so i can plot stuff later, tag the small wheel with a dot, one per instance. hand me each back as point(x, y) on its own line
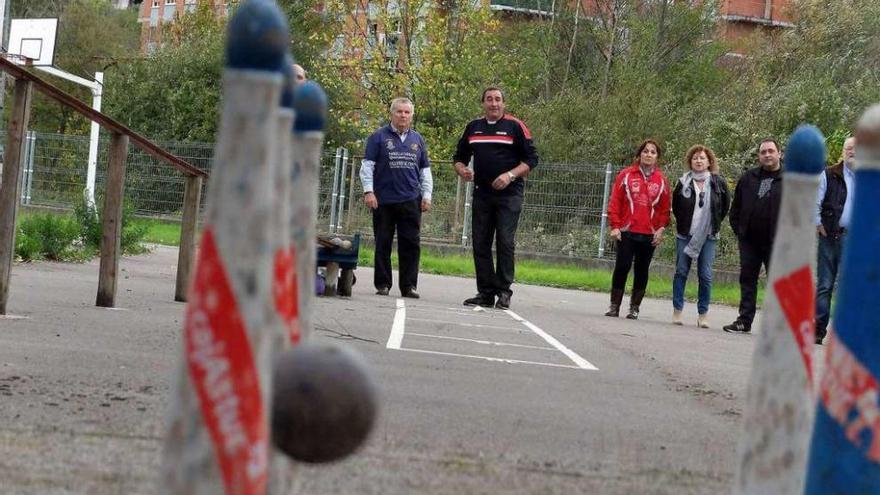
point(346, 280)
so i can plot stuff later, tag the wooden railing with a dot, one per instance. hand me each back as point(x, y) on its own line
point(25, 82)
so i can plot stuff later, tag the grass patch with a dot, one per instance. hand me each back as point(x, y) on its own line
point(160, 232)
point(563, 276)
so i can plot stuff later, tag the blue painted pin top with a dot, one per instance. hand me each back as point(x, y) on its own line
point(257, 37)
point(288, 87)
point(310, 103)
point(806, 151)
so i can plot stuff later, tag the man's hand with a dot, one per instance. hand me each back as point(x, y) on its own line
point(371, 201)
point(614, 234)
point(426, 204)
point(658, 237)
point(821, 231)
point(501, 181)
point(464, 172)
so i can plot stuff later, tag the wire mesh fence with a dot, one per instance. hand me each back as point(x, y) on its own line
point(562, 212)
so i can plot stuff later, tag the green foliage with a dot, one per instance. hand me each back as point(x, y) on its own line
point(174, 93)
point(45, 235)
point(92, 34)
point(90, 223)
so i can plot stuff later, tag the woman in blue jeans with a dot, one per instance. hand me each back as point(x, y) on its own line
point(700, 201)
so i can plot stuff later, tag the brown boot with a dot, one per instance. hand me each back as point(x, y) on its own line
point(635, 300)
point(616, 298)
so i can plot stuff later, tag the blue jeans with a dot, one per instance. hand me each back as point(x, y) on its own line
point(827, 265)
point(704, 273)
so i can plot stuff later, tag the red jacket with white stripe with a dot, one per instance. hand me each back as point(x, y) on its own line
point(639, 204)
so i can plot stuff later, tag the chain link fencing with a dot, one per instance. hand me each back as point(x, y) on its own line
point(563, 211)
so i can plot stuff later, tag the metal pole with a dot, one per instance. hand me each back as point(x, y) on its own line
point(457, 224)
point(351, 195)
point(29, 168)
point(468, 200)
point(340, 210)
point(91, 172)
point(335, 192)
point(604, 224)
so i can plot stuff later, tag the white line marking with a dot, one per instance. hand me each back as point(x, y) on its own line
point(493, 359)
point(460, 324)
point(484, 342)
point(396, 336)
point(581, 362)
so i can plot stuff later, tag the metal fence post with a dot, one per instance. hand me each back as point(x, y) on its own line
point(457, 222)
point(468, 203)
point(604, 224)
point(351, 195)
point(340, 210)
point(334, 195)
point(29, 183)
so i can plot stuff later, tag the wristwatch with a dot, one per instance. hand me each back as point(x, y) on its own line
point(511, 175)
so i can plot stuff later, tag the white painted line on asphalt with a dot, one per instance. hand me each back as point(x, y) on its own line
point(460, 324)
point(493, 359)
point(484, 342)
point(396, 336)
point(13, 317)
point(581, 362)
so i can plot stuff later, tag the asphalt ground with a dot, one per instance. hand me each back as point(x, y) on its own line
point(549, 397)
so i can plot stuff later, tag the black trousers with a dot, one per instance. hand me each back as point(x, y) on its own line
point(406, 219)
point(495, 218)
point(636, 251)
point(751, 256)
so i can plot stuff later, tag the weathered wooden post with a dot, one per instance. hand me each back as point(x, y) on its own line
point(111, 230)
point(9, 188)
point(189, 226)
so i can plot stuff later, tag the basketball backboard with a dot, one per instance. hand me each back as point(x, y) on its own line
point(33, 40)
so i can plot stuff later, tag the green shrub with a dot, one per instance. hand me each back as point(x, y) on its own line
point(27, 248)
point(90, 223)
point(51, 236)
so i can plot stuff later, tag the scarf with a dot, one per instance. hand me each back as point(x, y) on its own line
point(703, 229)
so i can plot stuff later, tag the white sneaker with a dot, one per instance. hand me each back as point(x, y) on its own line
point(676, 317)
point(702, 321)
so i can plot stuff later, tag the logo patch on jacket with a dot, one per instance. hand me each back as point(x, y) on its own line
point(414, 147)
point(389, 144)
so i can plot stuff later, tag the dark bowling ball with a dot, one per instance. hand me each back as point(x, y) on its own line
point(324, 402)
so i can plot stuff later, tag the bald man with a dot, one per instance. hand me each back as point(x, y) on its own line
point(299, 74)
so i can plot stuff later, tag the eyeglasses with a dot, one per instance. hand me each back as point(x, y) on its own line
point(702, 195)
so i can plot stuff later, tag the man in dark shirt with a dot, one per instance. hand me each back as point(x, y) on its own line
point(503, 154)
point(396, 176)
point(753, 216)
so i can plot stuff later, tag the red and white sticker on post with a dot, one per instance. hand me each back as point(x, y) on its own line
point(798, 302)
point(223, 372)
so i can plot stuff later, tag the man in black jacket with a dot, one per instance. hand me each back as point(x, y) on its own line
point(504, 153)
point(753, 216)
point(833, 213)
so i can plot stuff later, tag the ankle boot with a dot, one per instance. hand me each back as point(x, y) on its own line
point(635, 300)
point(616, 298)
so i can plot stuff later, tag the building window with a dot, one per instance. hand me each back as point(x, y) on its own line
point(155, 4)
point(170, 2)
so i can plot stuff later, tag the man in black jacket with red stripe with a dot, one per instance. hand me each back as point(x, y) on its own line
point(503, 153)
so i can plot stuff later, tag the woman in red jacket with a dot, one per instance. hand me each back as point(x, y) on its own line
point(638, 212)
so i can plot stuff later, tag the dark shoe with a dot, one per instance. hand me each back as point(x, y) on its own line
point(614, 308)
point(503, 301)
point(409, 292)
point(737, 327)
point(635, 300)
point(480, 300)
point(382, 291)
point(819, 340)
